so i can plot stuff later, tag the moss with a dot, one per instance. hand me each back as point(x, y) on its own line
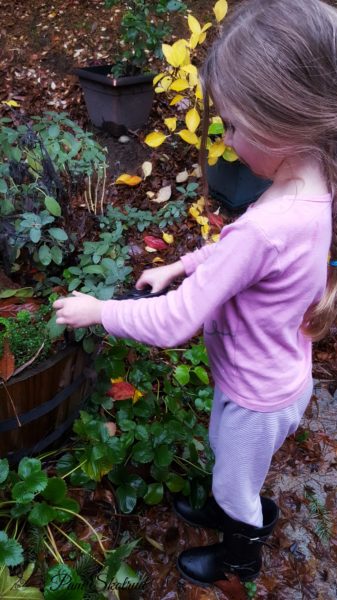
point(26, 333)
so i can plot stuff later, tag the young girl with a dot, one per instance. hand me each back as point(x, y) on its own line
point(264, 291)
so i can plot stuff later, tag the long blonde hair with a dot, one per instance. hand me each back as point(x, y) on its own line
point(275, 67)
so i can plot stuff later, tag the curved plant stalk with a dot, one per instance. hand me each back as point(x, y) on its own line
point(77, 545)
point(54, 545)
point(180, 459)
point(74, 469)
point(71, 512)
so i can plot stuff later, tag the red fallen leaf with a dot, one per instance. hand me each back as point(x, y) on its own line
point(7, 362)
point(121, 391)
point(215, 220)
point(155, 243)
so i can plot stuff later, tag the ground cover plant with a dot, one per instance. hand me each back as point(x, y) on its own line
point(117, 470)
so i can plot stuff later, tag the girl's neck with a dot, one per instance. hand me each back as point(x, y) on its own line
point(302, 177)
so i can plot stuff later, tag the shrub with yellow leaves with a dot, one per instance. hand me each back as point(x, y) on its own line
point(180, 81)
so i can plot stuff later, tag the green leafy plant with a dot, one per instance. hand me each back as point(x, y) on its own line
point(44, 162)
point(142, 29)
point(157, 429)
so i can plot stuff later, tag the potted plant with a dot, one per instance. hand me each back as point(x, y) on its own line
point(45, 162)
point(119, 96)
point(229, 181)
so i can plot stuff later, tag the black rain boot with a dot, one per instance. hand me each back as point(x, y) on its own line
point(210, 515)
point(239, 554)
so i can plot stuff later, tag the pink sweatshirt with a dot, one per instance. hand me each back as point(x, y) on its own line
point(250, 290)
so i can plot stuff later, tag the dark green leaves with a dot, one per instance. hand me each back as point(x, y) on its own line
point(10, 551)
point(4, 469)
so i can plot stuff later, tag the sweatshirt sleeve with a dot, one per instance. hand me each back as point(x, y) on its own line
point(243, 256)
point(193, 259)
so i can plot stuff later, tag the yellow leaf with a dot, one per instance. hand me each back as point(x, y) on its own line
point(164, 84)
point(179, 85)
point(220, 9)
point(171, 123)
point(198, 92)
point(190, 69)
point(11, 103)
point(194, 25)
point(194, 212)
point(175, 54)
point(176, 99)
point(192, 120)
point(202, 220)
point(205, 231)
point(168, 238)
point(158, 259)
point(212, 161)
point(126, 179)
point(215, 237)
point(155, 139)
point(205, 27)
point(202, 37)
point(194, 40)
point(150, 194)
point(147, 168)
point(117, 380)
point(158, 78)
point(188, 136)
point(216, 149)
point(229, 154)
point(136, 396)
point(201, 203)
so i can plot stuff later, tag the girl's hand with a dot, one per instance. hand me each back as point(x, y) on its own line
point(78, 310)
point(160, 277)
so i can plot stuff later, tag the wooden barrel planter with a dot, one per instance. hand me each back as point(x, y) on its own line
point(47, 399)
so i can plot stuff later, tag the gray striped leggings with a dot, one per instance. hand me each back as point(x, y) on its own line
point(244, 442)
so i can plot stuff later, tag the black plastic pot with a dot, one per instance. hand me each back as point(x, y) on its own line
point(116, 104)
point(234, 185)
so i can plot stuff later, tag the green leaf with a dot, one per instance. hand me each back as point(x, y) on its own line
point(44, 255)
point(56, 254)
point(58, 234)
point(54, 131)
point(63, 583)
point(56, 490)
point(127, 498)
point(174, 482)
point(29, 466)
point(3, 186)
point(54, 329)
point(199, 493)
point(202, 374)
point(115, 557)
point(154, 494)
point(10, 588)
point(11, 552)
point(69, 504)
point(35, 234)
point(4, 469)
point(41, 514)
point(182, 374)
point(142, 452)
point(53, 206)
point(163, 456)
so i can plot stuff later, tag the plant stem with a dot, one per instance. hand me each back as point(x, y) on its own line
point(74, 514)
point(180, 458)
point(53, 543)
point(50, 550)
point(77, 545)
point(74, 469)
